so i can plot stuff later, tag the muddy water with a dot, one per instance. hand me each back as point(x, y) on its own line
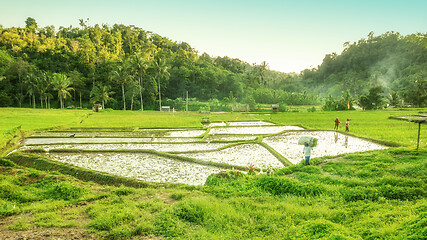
point(149, 133)
point(146, 167)
point(253, 130)
point(329, 144)
point(154, 168)
point(82, 140)
point(163, 147)
point(241, 155)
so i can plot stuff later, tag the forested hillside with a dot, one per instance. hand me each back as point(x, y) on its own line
point(390, 61)
point(126, 67)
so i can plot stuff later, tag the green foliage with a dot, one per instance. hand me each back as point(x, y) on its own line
point(6, 163)
point(283, 186)
point(63, 190)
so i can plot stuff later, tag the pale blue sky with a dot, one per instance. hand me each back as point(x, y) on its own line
point(289, 35)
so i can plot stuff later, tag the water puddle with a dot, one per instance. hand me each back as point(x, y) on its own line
point(240, 155)
point(329, 144)
point(163, 147)
point(83, 140)
point(146, 167)
point(253, 130)
point(189, 143)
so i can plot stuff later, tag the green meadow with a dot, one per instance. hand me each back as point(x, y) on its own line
point(371, 195)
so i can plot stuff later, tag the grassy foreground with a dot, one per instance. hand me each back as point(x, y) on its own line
point(372, 195)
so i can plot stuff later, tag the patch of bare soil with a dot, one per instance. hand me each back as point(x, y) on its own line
point(46, 233)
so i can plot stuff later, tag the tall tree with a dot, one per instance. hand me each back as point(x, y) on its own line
point(161, 71)
point(31, 82)
point(62, 85)
point(101, 93)
point(19, 68)
point(121, 75)
point(140, 67)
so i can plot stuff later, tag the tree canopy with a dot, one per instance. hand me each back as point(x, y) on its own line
point(124, 61)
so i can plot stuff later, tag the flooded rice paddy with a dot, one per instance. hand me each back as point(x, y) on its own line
point(146, 167)
point(231, 143)
point(240, 155)
point(329, 144)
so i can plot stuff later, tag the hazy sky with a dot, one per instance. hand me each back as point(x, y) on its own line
point(289, 35)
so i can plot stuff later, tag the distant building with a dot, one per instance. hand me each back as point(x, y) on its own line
point(275, 107)
point(97, 107)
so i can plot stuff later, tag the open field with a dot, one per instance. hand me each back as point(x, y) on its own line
point(379, 194)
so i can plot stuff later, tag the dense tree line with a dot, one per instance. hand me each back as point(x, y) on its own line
point(126, 67)
point(123, 67)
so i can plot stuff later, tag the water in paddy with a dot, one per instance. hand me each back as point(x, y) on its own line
point(149, 167)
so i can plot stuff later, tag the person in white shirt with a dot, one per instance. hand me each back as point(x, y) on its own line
point(307, 153)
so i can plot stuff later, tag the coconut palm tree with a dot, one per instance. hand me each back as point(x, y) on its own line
point(140, 66)
point(62, 84)
point(31, 82)
point(101, 93)
point(161, 71)
point(121, 75)
point(43, 85)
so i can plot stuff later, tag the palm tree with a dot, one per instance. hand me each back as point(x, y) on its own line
point(43, 85)
point(31, 81)
point(121, 75)
point(140, 66)
point(161, 71)
point(62, 84)
point(263, 68)
point(101, 93)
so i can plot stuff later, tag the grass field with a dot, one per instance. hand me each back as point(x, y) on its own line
point(372, 195)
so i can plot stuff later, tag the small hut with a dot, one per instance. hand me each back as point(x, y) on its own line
point(275, 107)
point(97, 107)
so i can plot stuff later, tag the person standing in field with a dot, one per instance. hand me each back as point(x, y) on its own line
point(337, 123)
point(347, 124)
point(307, 153)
